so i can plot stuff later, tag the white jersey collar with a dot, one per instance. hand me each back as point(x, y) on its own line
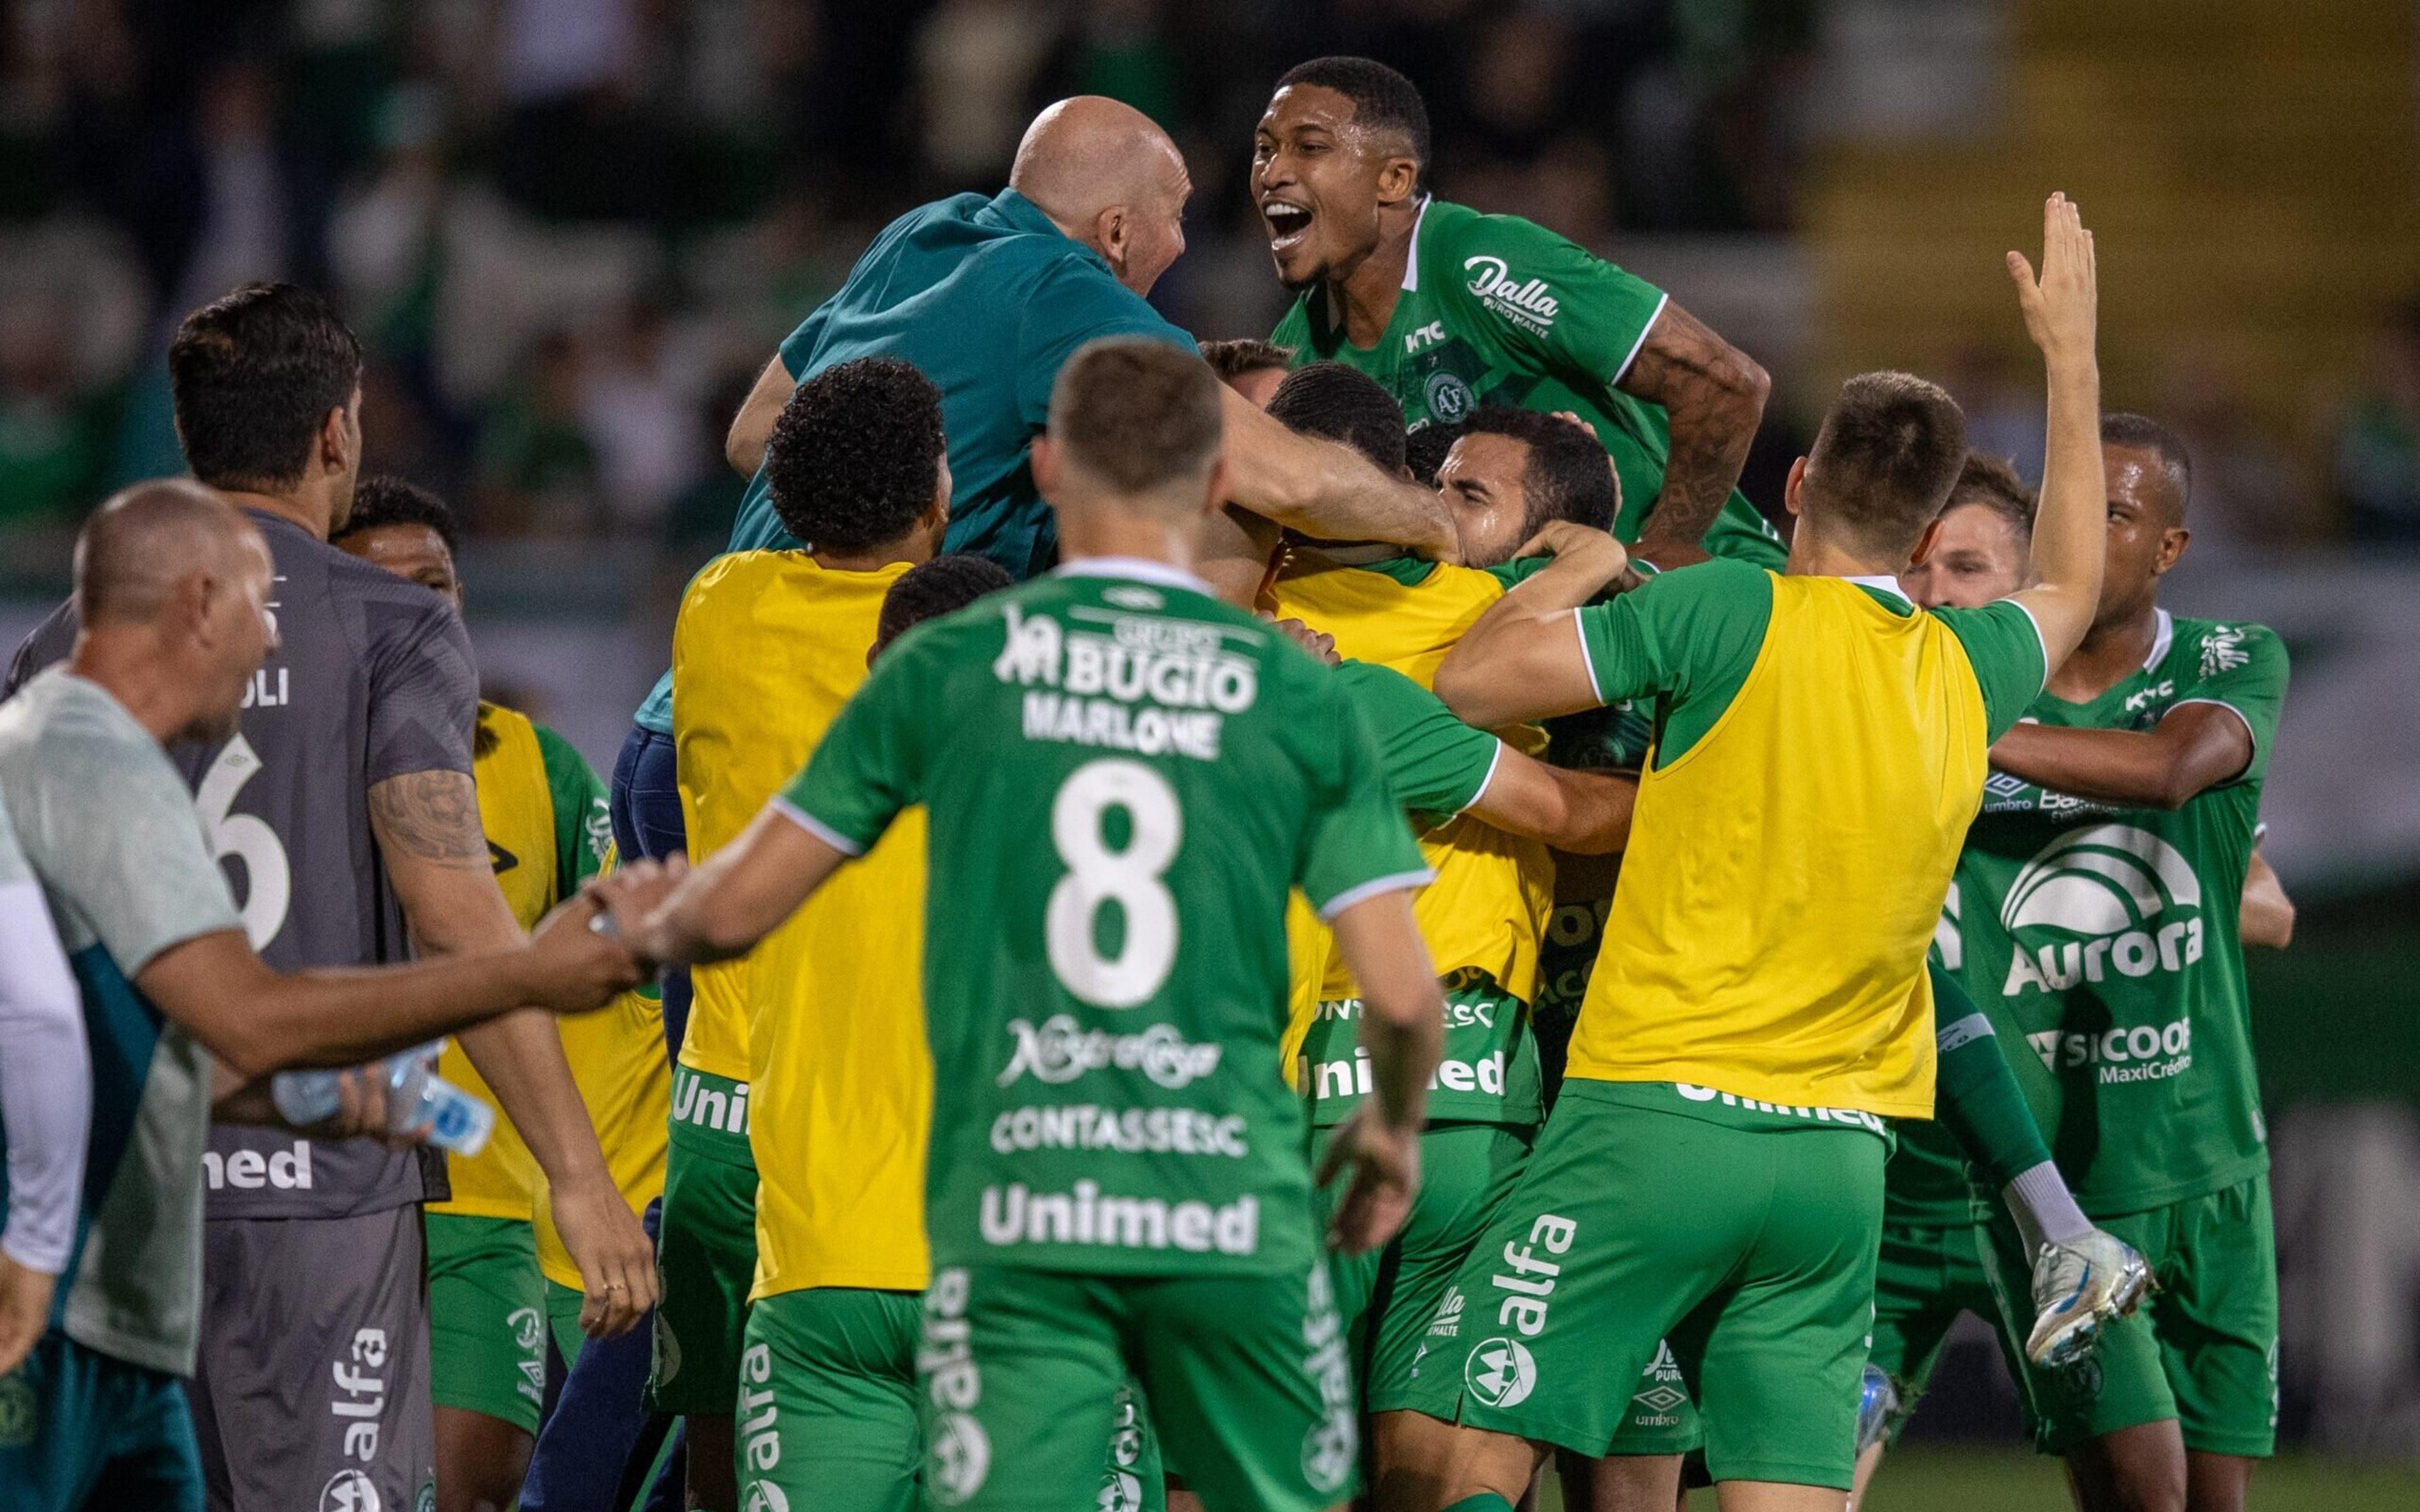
point(1412, 260)
point(1137, 569)
point(1883, 584)
point(2162, 636)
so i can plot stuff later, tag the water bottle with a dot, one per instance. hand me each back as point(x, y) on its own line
point(416, 1096)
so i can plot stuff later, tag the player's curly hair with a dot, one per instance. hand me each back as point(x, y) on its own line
point(1337, 402)
point(1382, 99)
point(942, 586)
point(382, 499)
point(855, 455)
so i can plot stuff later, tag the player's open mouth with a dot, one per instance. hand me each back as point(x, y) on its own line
point(1288, 225)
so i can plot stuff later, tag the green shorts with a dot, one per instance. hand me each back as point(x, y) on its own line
point(80, 1430)
point(1928, 1275)
point(1247, 1379)
point(1745, 1238)
point(487, 1317)
point(2202, 1348)
point(705, 1253)
point(563, 1304)
point(827, 1409)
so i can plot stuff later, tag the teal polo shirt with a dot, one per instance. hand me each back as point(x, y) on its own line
point(986, 298)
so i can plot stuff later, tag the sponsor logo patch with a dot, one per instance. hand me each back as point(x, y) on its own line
point(1058, 1050)
point(1500, 1372)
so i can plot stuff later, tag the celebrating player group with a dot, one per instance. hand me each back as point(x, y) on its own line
point(1268, 925)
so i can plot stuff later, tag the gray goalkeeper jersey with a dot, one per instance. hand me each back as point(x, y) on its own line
point(372, 679)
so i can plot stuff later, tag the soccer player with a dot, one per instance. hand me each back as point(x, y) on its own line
point(1487, 813)
point(1125, 779)
point(828, 1377)
point(1451, 310)
point(45, 1104)
point(172, 599)
point(767, 647)
point(1252, 368)
point(345, 799)
point(2096, 918)
point(543, 811)
point(1512, 471)
point(1760, 1002)
point(988, 297)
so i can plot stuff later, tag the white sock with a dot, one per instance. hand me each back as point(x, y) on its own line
point(2044, 1208)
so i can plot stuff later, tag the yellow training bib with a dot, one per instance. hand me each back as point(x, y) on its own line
point(1733, 957)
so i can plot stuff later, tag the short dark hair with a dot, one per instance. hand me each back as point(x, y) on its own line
point(386, 500)
point(1425, 450)
point(1993, 483)
point(854, 454)
point(1234, 359)
point(1883, 463)
point(1381, 97)
point(1337, 402)
point(2143, 433)
point(1136, 413)
point(942, 586)
point(1568, 475)
point(252, 376)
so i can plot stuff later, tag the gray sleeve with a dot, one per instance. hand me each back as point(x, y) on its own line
point(117, 837)
point(50, 641)
point(45, 1076)
point(424, 696)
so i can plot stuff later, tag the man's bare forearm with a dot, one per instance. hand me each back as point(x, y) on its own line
point(259, 1021)
point(428, 832)
point(1713, 396)
point(2194, 749)
point(1327, 490)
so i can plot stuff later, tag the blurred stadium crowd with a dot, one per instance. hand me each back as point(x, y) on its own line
point(570, 229)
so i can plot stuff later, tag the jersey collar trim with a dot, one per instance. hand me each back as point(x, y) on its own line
point(1412, 259)
point(1140, 569)
point(1883, 584)
point(2163, 637)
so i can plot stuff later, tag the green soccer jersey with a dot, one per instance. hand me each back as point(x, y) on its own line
point(2106, 939)
point(1436, 766)
point(1496, 310)
point(1125, 779)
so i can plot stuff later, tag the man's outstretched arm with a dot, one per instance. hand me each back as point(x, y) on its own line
point(1712, 395)
point(1327, 490)
point(2071, 523)
point(1524, 658)
point(677, 915)
point(2194, 749)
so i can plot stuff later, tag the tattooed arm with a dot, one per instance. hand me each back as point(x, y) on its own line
point(436, 853)
point(1714, 395)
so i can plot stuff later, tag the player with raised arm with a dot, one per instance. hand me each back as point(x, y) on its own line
point(1117, 1182)
point(2098, 918)
point(172, 598)
point(542, 808)
point(346, 802)
point(1760, 1003)
point(1451, 310)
